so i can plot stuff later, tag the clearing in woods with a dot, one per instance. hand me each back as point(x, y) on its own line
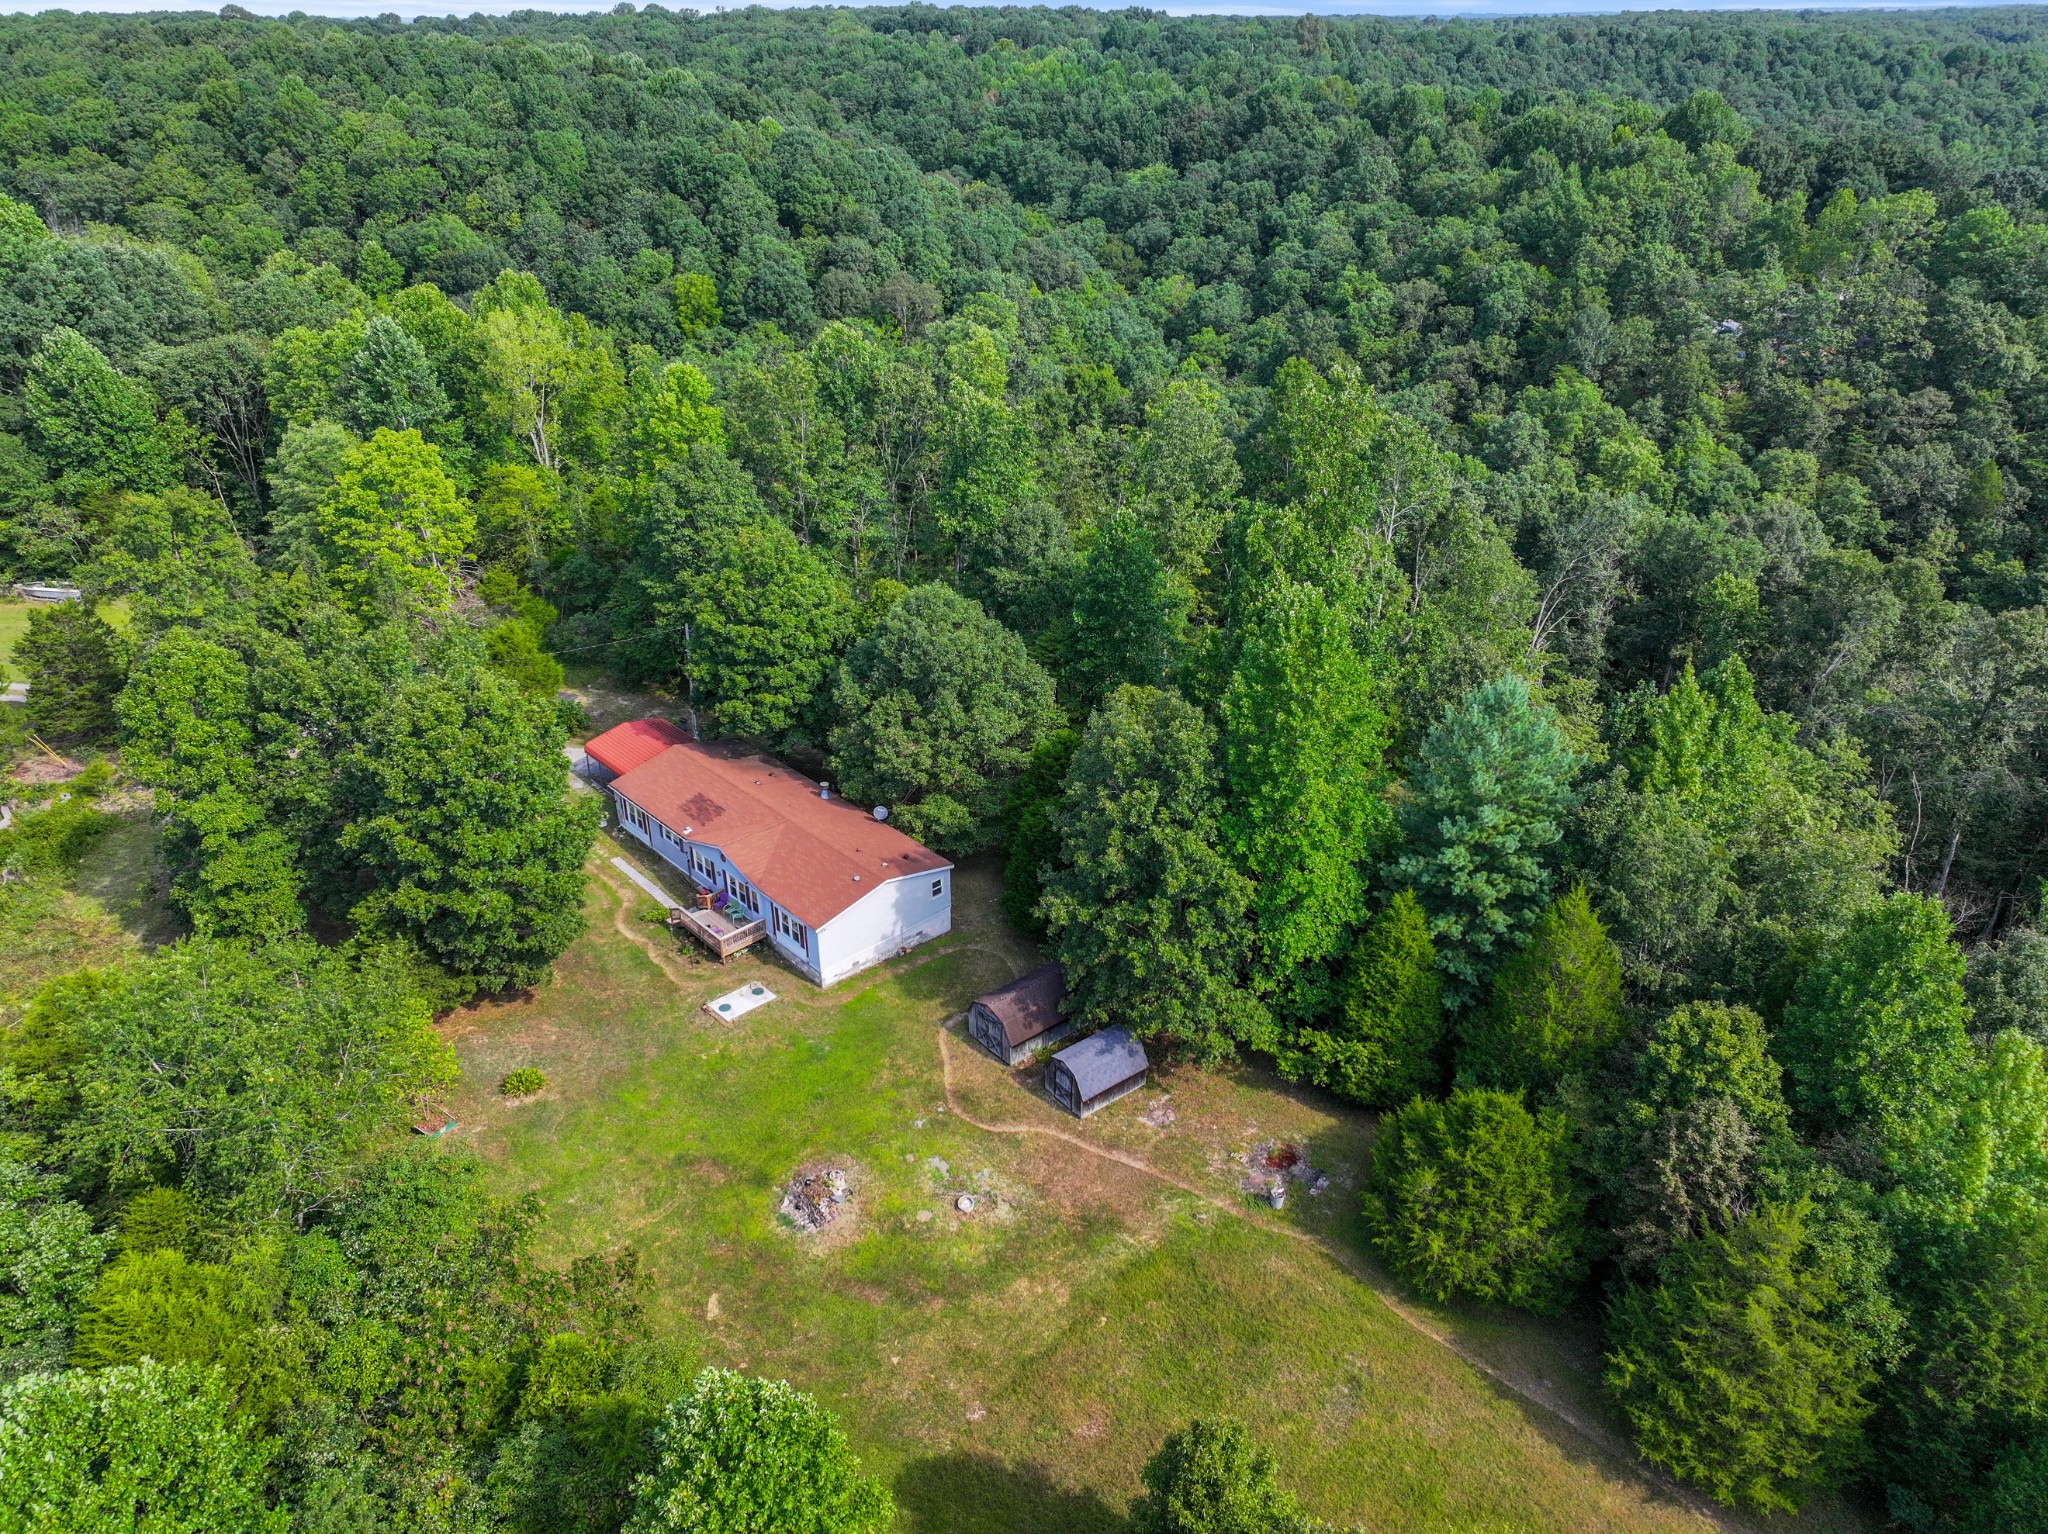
point(1011, 1368)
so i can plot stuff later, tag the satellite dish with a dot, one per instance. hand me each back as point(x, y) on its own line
point(881, 812)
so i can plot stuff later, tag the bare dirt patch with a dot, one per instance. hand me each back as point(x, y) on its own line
point(820, 1204)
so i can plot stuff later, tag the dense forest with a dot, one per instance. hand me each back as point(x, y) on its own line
point(1498, 568)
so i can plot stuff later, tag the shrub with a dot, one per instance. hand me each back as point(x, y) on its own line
point(523, 1082)
point(749, 1456)
point(53, 839)
point(1472, 1197)
point(1212, 1477)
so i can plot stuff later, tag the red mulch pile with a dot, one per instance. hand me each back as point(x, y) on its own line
point(43, 769)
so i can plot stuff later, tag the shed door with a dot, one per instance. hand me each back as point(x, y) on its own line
point(987, 1029)
point(1059, 1081)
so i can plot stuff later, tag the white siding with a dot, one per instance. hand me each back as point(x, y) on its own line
point(897, 915)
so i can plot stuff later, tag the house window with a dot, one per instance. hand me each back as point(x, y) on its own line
point(744, 893)
point(938, 888)
point(789, 927)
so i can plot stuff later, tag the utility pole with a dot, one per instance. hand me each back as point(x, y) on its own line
point(690, 685)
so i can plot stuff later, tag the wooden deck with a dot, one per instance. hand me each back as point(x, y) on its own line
point(720, 933)
point(724, 935)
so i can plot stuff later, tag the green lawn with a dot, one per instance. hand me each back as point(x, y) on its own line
point(14, 623)
point(108, 907)
point(1011, 1369)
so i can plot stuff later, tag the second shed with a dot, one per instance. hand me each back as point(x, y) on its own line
point(1097, 1071)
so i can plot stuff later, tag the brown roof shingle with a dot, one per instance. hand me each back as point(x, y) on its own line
point(1028, 1007)
point(813, 857)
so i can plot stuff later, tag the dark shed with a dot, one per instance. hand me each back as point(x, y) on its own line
point(1096, 1072)
point(1021, 1018)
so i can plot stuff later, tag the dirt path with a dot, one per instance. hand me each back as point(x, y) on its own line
point(1522, 1388)
point(622, 919)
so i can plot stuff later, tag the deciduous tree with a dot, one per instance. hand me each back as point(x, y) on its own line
point(92, 425)
point(1303, 732)
point(456, 811)
point(1145, 910)
point(753, 1456)
point(939, 708)
point(1129, 615)
point(113, 1447)
point(1213, 1477)
point(259, 1070)
point(392, 527)
point(186, 731)
point(1875, 1033)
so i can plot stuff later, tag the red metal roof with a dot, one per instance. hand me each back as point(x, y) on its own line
point(626, 746)
point(813, 857)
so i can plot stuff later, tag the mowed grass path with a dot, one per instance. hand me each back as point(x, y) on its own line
point(1012, 1368)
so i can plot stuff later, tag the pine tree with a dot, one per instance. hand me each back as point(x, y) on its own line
point(1734, 1372)
point(73, 662)
point(1472, 1196)
point(1381, 1047)
point(389, 383)
point(1556, 1004)
point(1031, 840)
point(1484, 803)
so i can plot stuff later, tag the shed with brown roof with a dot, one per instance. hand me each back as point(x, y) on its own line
point(1023, 1017)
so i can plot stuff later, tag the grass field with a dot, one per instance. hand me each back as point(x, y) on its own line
point(14, 623)
point(109, 906)
point(1011, 1369)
